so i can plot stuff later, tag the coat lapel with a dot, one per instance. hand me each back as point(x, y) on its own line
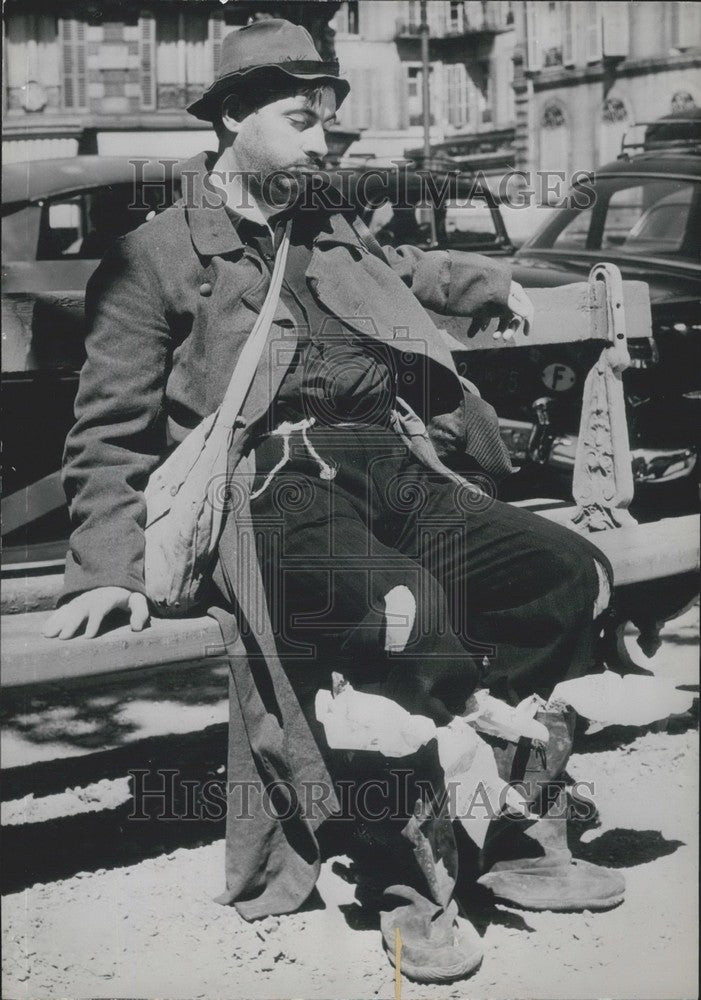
point(370, 297)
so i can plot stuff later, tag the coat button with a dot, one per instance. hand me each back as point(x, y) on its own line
point(173, 491)
point(205, 288)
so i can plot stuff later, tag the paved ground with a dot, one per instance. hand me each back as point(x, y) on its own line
point(140, 921)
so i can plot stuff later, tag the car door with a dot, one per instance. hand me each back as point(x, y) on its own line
point(50, 248)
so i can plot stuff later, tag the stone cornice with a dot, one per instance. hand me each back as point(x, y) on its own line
point(562, 77)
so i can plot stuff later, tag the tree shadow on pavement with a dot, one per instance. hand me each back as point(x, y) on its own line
point(102, 711)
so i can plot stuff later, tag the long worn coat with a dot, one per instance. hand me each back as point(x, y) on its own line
point(169, 309)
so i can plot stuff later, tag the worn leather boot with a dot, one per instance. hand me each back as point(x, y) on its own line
point(437, 946)
point(528, 863)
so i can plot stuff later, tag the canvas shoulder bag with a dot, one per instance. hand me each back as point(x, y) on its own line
point(185, 496)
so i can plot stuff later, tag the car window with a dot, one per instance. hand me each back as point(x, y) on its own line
point(84, 225)
point(650, 216)
point(395, 226)
point(643, 215)
point(467, 222)
point(662, 224)
point(575, 233)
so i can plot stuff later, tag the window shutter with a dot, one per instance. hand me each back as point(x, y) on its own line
point(74, 64)
point(592, 32)
point(357, 108)
point(534, 52)
point(400, 83)
point(369, 92)
point(685, 24)
point(216, 35)
point(448, 98)
point(568, 34)
point(616, 28)
point(455, 108)
point(412, 13)
point(147, 61)
point(436, 15)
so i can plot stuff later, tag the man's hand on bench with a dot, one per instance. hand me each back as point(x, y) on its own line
point(92, 607)
point(520, 313)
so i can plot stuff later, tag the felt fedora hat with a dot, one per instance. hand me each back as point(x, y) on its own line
point(275, 46)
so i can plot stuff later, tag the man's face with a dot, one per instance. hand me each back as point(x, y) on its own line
point(287, 135)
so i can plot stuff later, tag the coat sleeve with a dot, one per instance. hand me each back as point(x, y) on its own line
point(118, 436)
point(453, 282)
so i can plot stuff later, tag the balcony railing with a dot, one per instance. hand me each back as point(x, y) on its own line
point(488, 23)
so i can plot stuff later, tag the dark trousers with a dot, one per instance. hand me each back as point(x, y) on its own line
point(494, 596)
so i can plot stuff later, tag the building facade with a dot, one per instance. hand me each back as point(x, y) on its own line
point(471, 56)
point(114, 77)
point(586, 71)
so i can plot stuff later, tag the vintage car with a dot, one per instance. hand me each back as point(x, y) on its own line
point(58, 217)
point(646, 218)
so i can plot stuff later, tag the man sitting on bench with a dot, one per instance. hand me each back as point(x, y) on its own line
point(376, 560)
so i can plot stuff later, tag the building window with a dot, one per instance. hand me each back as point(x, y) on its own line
point(112, 31)
point(616, 29)
point(534, 52)
point(414, 90)
point(74, 64)
point(685, 24)
point(592, 31)
point(455, 17)
point(486, 92)
point(183, 57)
point(347, 19)
point(457, 109)
point(568, 34)
point(353, 17)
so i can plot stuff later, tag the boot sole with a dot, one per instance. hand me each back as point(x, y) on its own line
point(428, 975)
point(560, 906)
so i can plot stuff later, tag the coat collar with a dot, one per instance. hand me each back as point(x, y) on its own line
point(211, 229)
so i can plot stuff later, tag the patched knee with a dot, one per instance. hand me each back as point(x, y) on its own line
point(400, 615)
point(603, 597)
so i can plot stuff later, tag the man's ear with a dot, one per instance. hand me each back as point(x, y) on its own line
point(230, 113)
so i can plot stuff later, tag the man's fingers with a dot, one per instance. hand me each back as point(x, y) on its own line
point(54, 624)
point(520, 304)
point(139, 612)
point(93, 606)
point(74, 618)
point(97, 613)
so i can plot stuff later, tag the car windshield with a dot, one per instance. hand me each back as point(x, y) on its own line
point(638, 216)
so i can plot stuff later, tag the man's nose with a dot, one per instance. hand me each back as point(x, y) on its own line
point(315, 141)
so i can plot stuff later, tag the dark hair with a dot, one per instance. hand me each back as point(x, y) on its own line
point(260, 89)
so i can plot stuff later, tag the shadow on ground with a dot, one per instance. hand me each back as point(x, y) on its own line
point(59, 848)
point(93, 713)
point(622, 848)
